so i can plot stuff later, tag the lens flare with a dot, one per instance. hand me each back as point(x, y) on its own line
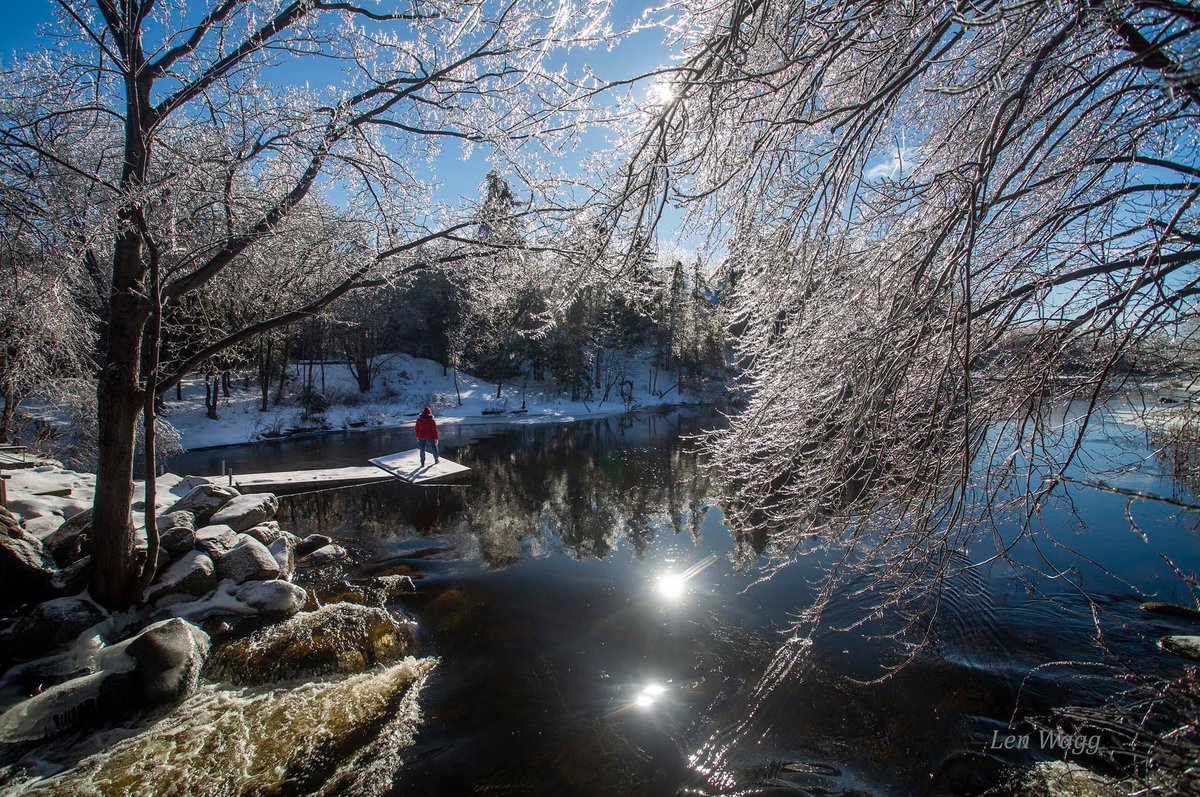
point(673, 586)
point(649, 695)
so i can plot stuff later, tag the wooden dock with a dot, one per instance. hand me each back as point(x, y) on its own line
point(298, 481)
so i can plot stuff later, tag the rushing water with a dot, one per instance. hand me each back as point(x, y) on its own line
point(601, 630)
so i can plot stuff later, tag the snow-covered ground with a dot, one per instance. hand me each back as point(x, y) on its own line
point(43, 497)
point(403, 386)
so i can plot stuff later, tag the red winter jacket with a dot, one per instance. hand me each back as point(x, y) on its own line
point(426, 428)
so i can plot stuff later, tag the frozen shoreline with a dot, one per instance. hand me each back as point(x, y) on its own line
point(403, 386)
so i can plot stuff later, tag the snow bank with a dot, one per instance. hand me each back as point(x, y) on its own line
point(402, 387)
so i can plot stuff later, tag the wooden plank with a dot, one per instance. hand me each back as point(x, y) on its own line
point(15, 461)
point(406, 465)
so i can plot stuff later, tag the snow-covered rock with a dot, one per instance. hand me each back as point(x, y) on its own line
point(177, 532)
point(248, 560)
point(311, 543)
point(272, 597)
point(27, 571)
point(324, 556)
point(160, 665)
point(284, 551)
point(216, 541)
point(337, 638)
point(71, 540)
point(204, 500)
point(246, 511)
point(194, 573)
point(1183, 645)
point(178, 540)
point(269, 532)
point(49, 626)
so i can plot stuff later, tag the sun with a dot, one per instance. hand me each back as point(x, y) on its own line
point(660, 92)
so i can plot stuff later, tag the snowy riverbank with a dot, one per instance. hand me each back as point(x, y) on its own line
point(401, 388)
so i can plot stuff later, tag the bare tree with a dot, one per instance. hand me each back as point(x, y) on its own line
point(943, 216)
point(164, 82)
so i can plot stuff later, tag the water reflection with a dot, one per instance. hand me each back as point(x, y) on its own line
point(606, 635)
point(535, 490)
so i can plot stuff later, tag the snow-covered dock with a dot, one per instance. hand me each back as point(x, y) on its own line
point(295, 481)
point(405, 466)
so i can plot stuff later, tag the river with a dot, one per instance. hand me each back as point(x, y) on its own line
point(602, 631)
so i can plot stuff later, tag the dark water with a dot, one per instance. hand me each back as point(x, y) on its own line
point(602, 630)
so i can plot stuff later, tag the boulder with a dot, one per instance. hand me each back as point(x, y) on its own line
point(51, 625)
point(272, 597)
point(194, 573)
point(284, 551)
point(247, 511)
point(27, 571)
point(203, 501)
point(311, 543)
point(72, 540)
point(1183, 645)
point(177, 532)
point(248, 560)
point(324, 556)
point(177, 541)
point(216, 541)
point(337, 638)
point(160, 665)
point(9, 525)
point(269, 532)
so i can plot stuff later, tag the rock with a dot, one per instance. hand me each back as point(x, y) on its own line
point(72, 540)
point(311, 543)
point(269, 532)
point(177, 532)
point(203, 501)
point(216, 541)
point(248, 560)
point(9, 526)
point(337, 638)
point(51, 625)
point(1183, 645)
point(1171, 610)
point(247, 511)
point(272, 597)
point(324, 556)
point(194, 574)
point(178, 540)
point(159, 665)
point(1067, 779)
point(284, 551)
point(168, 657)
point(27, 571)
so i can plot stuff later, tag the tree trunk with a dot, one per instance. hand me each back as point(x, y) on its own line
point(264, 370)
point(179, 390)
point(283, 369)
point(9, 394)
point(212, 393)
point(225, 384)
point(118, 395)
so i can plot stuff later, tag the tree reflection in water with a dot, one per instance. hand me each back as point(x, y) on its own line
point(578, 488)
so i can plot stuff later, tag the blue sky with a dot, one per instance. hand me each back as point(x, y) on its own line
point(26, 24)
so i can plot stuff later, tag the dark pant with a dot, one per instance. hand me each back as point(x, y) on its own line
point(432, 444)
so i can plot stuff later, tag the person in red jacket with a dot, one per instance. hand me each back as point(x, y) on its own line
point(427, 435)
